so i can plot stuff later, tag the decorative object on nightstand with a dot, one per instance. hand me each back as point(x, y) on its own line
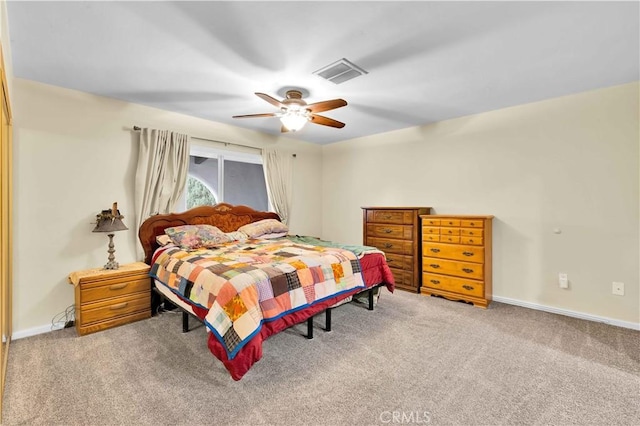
point(396, 231)
point(456, 257)
point(107, 298)
point(110, 221)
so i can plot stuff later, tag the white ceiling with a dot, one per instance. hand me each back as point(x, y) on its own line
point(427, 61)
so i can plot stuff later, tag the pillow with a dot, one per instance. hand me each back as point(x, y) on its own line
point(237, 236)
point(196, 236)
point(273, 235)
point(262, 227)
point(163, 240)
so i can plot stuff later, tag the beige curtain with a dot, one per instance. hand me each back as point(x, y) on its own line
point(278, 171)
point(161, 176)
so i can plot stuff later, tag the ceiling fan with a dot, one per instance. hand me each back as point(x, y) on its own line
point(295, 112)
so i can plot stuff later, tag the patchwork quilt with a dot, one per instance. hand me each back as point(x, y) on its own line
point(242, 285)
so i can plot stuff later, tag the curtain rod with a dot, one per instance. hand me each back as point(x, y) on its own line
point(137, 128)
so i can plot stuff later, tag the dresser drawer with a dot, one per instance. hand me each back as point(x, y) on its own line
point(431, 222)
point(113, 308)
point(403, 278)
point(450, 231)
point(452, 267)
point(450, 239)
point(450, 222)
point(458, 252)
point(401, 217)
point(430, 230)
point(404, 232)
point(431, 237)
point(477, 241)
point(456, 285)
point(115, 289)
point(392, 246)
point(471, 232)
point(472, 223)
point(399, 261)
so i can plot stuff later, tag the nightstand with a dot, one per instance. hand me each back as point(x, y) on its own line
point(107, 298)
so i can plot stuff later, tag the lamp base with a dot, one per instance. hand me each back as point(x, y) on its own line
point(111, 264)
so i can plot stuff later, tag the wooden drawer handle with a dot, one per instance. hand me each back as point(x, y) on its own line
point(388, 216)
point(473, 223)
point(450, 223)
point(389, 260)
point(471, 240)
point(467, 270)
point(471, 233)
point(435, 250)
point(119, 306)
point(388, 231)
point(435, 281)
point(388, 245)
point(467, 253)
point(434, 266)
point(467, 287)
point(118, 286)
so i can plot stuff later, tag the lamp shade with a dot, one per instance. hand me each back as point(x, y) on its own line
point(110, 225)
point(110, 220)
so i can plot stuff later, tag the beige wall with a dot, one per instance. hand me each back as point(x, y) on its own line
point(569, 163)
point(74, 157)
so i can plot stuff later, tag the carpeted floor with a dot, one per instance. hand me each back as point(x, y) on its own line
point(414, 360)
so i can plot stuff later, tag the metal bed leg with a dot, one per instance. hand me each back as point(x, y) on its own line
point(310, 328)
point(185, 322)
point(370, 294)
point(327, 325)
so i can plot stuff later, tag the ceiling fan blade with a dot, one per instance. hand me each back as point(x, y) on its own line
point(326, 121)
point(267, 114)
point(326, 105)
point(271, 100)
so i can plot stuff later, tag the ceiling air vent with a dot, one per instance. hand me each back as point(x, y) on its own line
point(340, 71)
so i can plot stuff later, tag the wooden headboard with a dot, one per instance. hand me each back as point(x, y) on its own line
point(225, 216)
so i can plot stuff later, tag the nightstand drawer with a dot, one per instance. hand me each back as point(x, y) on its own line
point(114, 289)
point(113, 308)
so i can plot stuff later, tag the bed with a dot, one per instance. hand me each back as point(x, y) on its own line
point(247, 290)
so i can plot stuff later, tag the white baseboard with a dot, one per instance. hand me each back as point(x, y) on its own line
point(35, 331)
point(625, 324)
point(566, 312)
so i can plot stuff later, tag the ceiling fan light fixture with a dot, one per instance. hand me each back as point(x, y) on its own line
point(294, 120)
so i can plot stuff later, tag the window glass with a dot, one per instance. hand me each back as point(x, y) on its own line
point(218, 176)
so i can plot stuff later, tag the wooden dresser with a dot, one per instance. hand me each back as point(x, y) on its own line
point(396, 231)
point(456, 257)
point(107, 298)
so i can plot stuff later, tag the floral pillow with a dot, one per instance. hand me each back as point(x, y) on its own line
point(196, 236)
point(263, 227)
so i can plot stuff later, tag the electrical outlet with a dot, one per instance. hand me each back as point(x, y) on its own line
point(563, 280)
point(617, 288)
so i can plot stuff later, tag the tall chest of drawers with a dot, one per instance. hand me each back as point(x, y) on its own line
point(456, 257)
point(396, 231)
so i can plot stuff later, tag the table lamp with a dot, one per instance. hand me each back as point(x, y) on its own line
point(110, 221)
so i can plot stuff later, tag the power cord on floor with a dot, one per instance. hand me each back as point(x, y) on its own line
point(64, 319)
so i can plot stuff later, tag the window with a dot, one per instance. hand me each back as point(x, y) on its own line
point(217, 175)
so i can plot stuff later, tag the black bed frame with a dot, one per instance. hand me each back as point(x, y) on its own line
point(185, 315)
